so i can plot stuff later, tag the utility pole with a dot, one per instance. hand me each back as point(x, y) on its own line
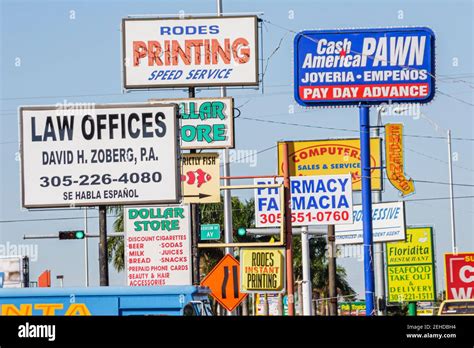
point(451, 190)
point(332, 271)
point(103, 257)
point(228, 235)
point(451, 193)
point(379, 247)
point(306, 261)
point(195, 222)
point(288, 232)
point(86, 249)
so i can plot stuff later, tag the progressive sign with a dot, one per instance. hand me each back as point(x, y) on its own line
point(182, 52)
point(110, 154)
point(388, 224)
point(345, 67)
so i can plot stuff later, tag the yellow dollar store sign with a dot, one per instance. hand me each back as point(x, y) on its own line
point(410, 267)
point(394, 159)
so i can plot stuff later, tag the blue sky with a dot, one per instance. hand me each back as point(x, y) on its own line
point(53, 51)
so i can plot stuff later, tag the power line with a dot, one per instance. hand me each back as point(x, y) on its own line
point(437, 159)
point(340, 129)
point(436, 198)
point(371, 57)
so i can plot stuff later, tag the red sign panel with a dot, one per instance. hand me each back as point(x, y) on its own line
point(459, 273)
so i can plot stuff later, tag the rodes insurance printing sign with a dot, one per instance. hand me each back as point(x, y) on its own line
point(315, 200)
point(343, 67)
point(106, 155)
point(173, 52)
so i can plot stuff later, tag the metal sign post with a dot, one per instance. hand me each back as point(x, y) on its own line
point(103, 257)
point(195, 223)
point(367, 208)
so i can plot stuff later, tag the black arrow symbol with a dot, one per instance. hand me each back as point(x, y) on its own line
point(200, 195)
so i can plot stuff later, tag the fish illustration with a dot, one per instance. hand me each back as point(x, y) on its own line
point(197, 176)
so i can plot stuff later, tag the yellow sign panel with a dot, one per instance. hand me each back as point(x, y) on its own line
point(418, 248)
point(424, 311)
point(262, 270)
point(200, 178)
point(410, 267)
point(394, 159)
point(328, 157)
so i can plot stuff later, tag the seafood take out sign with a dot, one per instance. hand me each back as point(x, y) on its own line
point(200, 178)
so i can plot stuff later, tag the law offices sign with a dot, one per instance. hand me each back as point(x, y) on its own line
point(189, 52)
point(111, 154)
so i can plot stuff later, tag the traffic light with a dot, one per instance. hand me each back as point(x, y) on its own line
point(242, 231)
point(71, 234)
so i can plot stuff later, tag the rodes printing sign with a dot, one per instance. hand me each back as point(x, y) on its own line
point(108, 154)
point(172, 52)
point(262, 270)
point(332, 156)
point(158, 245)
point(344, 67)
point(459, 273)
point(315, 200)
point(388, 224)
point(206, 123)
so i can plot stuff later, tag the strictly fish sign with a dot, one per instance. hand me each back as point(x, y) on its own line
point(345, 67)
point(199, 51)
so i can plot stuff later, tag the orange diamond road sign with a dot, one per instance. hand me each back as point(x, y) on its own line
point(223, 281)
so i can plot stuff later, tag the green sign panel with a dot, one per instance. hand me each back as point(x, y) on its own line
point(410, 267)
point(210, 232)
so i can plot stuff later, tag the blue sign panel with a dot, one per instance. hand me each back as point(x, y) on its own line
point(370, 66)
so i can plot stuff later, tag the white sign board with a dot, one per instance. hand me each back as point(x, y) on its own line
point(315, 200)
point(205, 123)
point(101, 155)
point(174, 52)
point(12, 267)
point(388, 224)
point(158, 245)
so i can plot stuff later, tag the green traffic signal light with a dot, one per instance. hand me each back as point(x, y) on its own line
point(71, 235)
point(242, 231)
